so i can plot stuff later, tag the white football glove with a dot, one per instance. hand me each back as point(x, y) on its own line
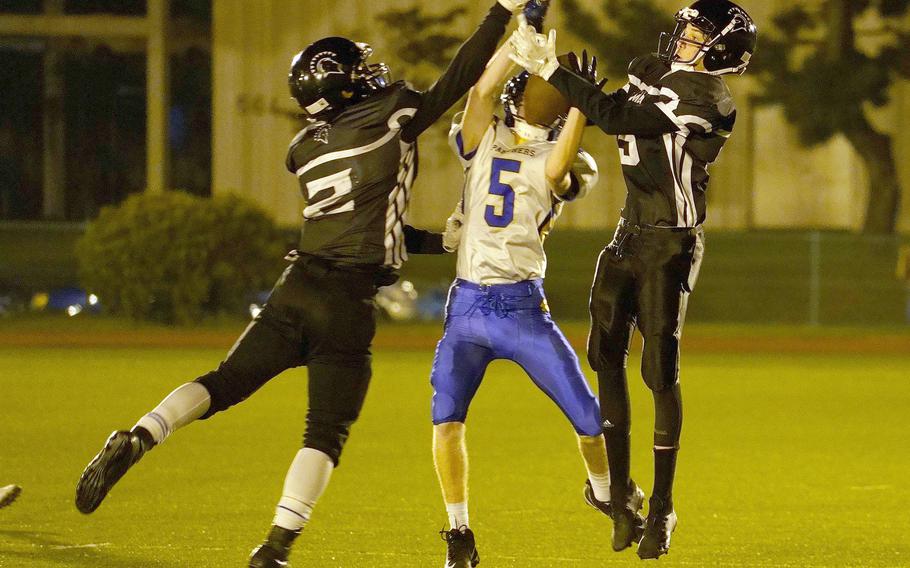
point(533, 51)
point(513, 5)
point(451, 237)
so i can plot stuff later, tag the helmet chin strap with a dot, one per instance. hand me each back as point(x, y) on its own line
point(528, 131)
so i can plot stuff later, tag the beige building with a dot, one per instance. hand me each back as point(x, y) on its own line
point(764, 178)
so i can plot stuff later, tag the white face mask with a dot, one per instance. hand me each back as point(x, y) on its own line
point(528, 131)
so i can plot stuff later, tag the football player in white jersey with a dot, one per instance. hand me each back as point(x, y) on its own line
point(519, 172)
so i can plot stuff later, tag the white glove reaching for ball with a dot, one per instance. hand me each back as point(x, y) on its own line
point(513, 5)
point(533, 51)
point(452, 235)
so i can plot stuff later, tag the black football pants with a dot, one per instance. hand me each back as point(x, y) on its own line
point(643, 278)
point(317, 315)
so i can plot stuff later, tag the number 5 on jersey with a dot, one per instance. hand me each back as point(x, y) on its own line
point(504, 190)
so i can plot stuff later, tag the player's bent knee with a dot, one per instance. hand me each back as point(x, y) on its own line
point(603, 358)
point(658, 377)
point(327, 437)
point(604, 354)
point(225, 390)
point(660, 367)
point(659, 382)
point(447, 409)
point(590, 424)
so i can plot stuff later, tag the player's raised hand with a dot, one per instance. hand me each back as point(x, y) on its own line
point(587, 69)
point(513, 6)
point(452, 235)
point(533, 51)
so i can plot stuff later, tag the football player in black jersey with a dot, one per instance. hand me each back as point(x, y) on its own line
point(356, 161)
point(671, 120)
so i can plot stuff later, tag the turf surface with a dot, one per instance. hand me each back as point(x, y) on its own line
point(796, 460)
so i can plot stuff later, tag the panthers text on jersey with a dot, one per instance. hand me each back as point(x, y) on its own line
point(509, 206)
point(670, 122)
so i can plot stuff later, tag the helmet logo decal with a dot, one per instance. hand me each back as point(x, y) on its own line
point(688, 14)
point(324, 63)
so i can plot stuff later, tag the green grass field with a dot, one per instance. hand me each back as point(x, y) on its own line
point(787, 460)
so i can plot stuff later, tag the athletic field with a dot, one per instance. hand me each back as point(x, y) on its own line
point(794, 453)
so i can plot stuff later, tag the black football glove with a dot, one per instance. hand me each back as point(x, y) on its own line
point(534, 12)
point(586, 69)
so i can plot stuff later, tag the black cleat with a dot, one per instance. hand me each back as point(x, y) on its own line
point(462, 551)
point(660, 526)
point(602, 506)
point(8, 494)
point(628, 523)
point(120, 452)
point(274, 552)
point(266, 556)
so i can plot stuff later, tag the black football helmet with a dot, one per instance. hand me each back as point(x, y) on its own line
point(730, 36)
point(332, 74)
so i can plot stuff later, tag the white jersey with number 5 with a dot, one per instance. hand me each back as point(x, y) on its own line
point(509, 207)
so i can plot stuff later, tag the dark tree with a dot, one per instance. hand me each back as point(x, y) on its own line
point(421, 42)
point(811, 65)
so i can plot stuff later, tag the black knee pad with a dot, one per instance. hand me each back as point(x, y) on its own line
point(327, 433)
point(659, 384)
point(605, 354)
point(225, 390)
point(660, 365)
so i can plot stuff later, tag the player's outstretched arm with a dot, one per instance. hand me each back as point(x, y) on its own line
point(478, 112)
point(420, 241)
point(463, 71)
point(559, 162)
point(610, 112)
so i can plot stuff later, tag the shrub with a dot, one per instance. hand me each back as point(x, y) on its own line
point(173, 257)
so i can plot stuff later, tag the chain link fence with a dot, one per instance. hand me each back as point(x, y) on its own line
point(791, 277)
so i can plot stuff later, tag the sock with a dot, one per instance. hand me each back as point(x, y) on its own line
point(615, 409)
point(307, 478)
point(619, 450)
point(450, 456)
point(667, 417)
point(664, 470)
point(458, 514)
point(187, 403)
point(601, 486)
point(594, 453)
point(667, 428)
